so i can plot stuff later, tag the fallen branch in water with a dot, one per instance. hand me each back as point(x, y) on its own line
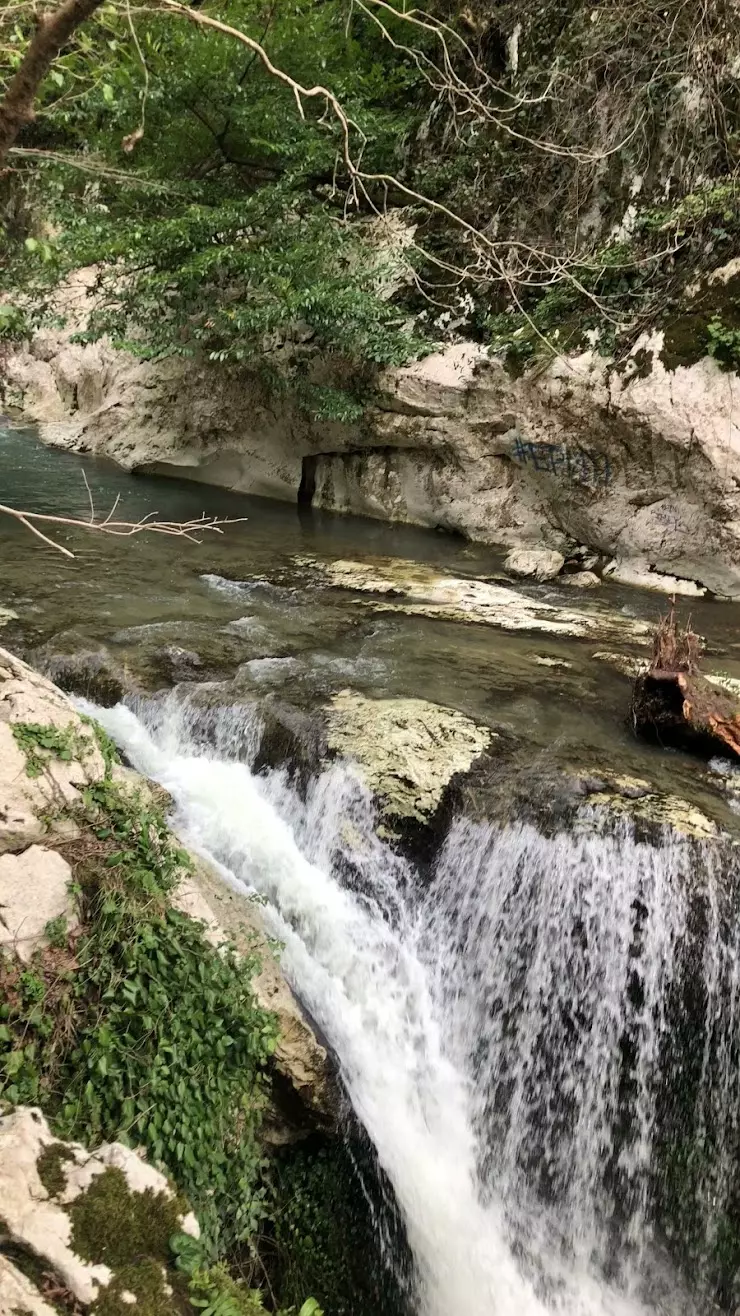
point(673, 704)
point(123, 529)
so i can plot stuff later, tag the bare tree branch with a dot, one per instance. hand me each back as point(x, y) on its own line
point(120, 529)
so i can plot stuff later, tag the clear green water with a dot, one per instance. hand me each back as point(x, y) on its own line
point(293, 635)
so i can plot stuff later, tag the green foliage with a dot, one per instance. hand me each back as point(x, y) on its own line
point(325, 1231)
point(149, 1035)
point(214, 1292)
point(40, 743)
point(723, 343)
point(14, 324)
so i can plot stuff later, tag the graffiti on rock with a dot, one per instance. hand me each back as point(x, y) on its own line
point(584, 465)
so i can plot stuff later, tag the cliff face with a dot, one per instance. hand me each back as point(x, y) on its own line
point(638, 461)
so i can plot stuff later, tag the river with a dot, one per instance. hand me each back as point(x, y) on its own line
point(530, 1028)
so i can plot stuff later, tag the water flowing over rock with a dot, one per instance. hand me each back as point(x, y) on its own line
point(507, 1030)
point(35, 879)
point(422, 591)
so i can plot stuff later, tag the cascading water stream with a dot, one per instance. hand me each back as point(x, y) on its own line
point(492, 1028)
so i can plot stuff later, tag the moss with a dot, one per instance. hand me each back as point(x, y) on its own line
point(157, 1293)
point(114, 1225)
point(50, 1166)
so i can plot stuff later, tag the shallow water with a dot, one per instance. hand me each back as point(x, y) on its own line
point(284, 631)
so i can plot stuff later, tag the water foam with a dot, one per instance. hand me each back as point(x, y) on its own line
point(478, 1024)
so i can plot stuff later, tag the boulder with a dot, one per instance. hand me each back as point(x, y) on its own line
point(50, 1190)
point(92, 673)
point(407, 750)
point(34, 889)
point(581, 580)
point(537, 563)
point(643, 575)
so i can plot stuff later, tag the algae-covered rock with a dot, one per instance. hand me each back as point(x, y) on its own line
point(636, 798)
point(407, 749)
point(419, 590)
point(84, 1215)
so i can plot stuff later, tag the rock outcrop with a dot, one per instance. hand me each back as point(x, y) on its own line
point(36, 787)
point(407, 750)
point(43, 1186)
point(639, 461)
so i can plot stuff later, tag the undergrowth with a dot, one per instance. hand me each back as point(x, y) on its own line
point(134, 1028)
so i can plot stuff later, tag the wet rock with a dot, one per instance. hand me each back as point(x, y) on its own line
point(34, 889)
point(626, 664)
point(582, 580)
point(634, 798)
point(407, 750)
point(174, 663)
point(7, 615)
point(290, 737)
point(419, 590)
point(539, 564)
point(80, 669)
point(642, 575)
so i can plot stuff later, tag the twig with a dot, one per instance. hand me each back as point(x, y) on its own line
point(121, 529)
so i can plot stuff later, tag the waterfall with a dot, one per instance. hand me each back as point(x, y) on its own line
point(503, 1029)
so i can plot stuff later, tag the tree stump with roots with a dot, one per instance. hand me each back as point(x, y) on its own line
point(674, 705)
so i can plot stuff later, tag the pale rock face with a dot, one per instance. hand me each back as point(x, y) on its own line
point(538, 563)
point(34, 888)
point(40, 1224)
point(639, 573)
point(26, 802)
point(635, 460)
point(407, 749)
point(18, 1294)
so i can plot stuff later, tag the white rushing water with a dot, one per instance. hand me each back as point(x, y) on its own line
point(485, 1025)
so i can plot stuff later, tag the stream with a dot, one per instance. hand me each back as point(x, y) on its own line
point(538, 1028)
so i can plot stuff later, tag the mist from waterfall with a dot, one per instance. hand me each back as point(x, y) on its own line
point(502, 1028)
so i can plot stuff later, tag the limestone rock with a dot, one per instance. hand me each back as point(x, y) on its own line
point(229, 914)
point(18, 1294)
point(34, 889)
point(407, 749)
point(637, 460)
point(26, 802)
point(6, 615)
point(420, 590)
point(641, 574)
point(35, 1219)
point(581, 580)
point(540, 564)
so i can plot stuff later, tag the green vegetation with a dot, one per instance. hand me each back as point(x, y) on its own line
point(41, 743)
point(135, 1028)
point(227, 218)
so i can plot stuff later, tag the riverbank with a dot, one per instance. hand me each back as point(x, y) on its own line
point(633, 464)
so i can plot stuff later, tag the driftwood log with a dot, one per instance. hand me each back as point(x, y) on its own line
point(673, 704)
